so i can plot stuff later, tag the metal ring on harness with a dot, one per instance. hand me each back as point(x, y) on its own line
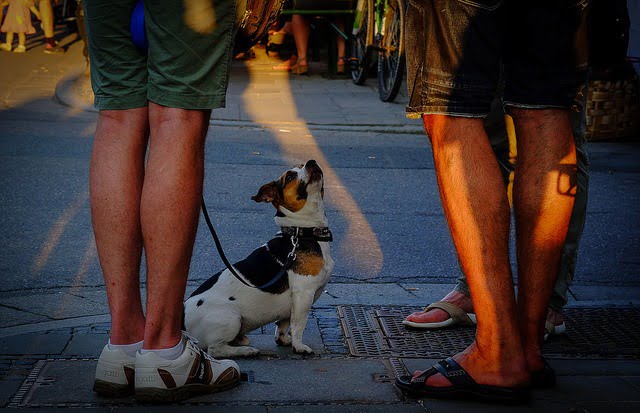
point(291, 257)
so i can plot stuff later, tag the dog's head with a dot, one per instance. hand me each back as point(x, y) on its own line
point(297, 196)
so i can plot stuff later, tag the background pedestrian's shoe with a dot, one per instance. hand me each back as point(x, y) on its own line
point(551, 329)
point(457, 317)
point(194, 372)
point(115, 373)
point(53, 49)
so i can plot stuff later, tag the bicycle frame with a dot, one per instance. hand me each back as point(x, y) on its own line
point(375, 44)
point(376, 20)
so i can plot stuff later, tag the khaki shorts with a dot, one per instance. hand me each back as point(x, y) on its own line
point(182, 68)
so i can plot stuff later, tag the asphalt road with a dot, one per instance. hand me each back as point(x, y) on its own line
point(381, 190)
point(383, 204)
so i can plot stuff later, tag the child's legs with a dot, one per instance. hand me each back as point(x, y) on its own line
point(22, 38)
point(9, 38)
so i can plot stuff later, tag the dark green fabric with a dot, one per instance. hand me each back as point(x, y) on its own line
point(182, 68)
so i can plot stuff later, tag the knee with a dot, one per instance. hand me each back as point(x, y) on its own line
point(124, 116)
point(537, 114)
point(445, 131)
point(163, 114)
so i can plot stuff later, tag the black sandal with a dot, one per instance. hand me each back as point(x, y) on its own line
point(462, 386)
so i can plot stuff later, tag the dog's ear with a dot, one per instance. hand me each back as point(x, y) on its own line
point(266, 193)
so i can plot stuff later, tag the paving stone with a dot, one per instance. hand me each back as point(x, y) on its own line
point(86, 345)
point(192, 408)
point(590, 388)
point(633, 380)
point(575, 367)
point(13, 317)
point(607, 293)
point(63, 382)
point(459, 406)
point(7, 389)
point(608, 407)
point(34, 343)
point(57, 306)
point(264, 340)
point(373, 294)
point(347, 408)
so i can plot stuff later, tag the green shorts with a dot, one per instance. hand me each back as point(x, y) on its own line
point(182, 68)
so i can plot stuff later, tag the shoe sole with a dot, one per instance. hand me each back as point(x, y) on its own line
point(155, 395)
point(107, 389)
point(486, 394)
point(441, 324)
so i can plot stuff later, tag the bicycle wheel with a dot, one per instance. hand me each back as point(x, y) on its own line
point(360, 56)
point(391, 56)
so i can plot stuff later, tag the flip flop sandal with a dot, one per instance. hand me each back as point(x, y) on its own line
point(545, 378)
point(457, 317)
point(462, 386)
point(551, 329)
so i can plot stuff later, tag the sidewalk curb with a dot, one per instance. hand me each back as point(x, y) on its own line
point(396, 129)
point(75, 91)
point(336, 294)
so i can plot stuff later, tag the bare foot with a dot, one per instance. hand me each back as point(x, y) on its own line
point(502, 372)
point(437, 315)
point(287, 64)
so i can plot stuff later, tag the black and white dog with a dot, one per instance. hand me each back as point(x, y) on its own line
point(223, 309)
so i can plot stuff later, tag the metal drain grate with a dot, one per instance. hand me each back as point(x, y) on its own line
point(591, 333)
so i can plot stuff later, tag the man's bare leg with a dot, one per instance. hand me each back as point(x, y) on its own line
point(169, 215)
point(117, 173)
point(477, 210)
point(544, 193)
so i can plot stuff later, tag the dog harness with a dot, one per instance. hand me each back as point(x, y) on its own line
point(295, 234)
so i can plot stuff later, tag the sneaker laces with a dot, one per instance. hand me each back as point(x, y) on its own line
point(189, 337)
point(194, 340)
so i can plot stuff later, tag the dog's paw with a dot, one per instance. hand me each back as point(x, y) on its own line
point(302, 349)
point(227, 351)
point(284, 340)
point(247, 351)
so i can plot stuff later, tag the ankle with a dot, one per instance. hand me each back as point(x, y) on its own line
point(130, 349)
point(459, 299)
point(495, 367)
point(168, 353)
point(155, 340)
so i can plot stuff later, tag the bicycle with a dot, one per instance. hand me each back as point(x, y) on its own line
point(380, 31)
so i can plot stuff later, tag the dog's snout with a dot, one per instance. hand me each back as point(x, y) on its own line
point(312, 165)
point(313, 170)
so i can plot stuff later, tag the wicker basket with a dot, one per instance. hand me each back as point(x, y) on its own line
point(613, 109)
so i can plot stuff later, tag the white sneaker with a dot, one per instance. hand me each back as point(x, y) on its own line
point(194, 372)
point(115, 373)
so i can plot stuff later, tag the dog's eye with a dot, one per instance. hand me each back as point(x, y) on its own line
point(289, 178)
